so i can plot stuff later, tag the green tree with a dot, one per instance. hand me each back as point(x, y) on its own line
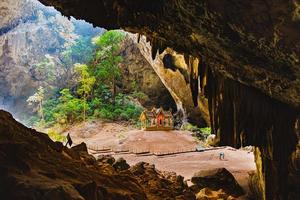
point(46, 70)
point(80, 52)
point(86, 83)
point(108, 58)
point(68, 109)
point(38, 99)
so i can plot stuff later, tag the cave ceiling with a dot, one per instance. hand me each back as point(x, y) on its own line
point(254, 42)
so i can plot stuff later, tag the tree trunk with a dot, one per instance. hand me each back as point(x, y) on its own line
point(84, 107)
point(114, 91)
point(41, 110)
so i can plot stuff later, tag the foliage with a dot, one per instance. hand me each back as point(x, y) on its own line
point(38, 99)
point(107, 59)
point(30, 121)
point(46, 70)
point(80, 52)
point(189, 127)
point(89, 100)
point(55, 136)
point(124, 109)
point(86, 83)
point(63, 110)
point(141, 96)
point(206, 130)
point(110, 39)
point(200, 133)
point(69, 109)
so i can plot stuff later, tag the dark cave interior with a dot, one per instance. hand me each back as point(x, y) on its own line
point(243, 56)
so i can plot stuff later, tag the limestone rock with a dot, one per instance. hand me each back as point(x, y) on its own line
point(175, 73)
point(138, 75)
point(80, 148)
point(121, 165)
point(30, 33)
point(106, 159)
point(216, 179)
point(208, 194)
point(211, 140)
point(161, 185)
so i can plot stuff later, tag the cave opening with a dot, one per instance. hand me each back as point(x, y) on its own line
point(224, 92)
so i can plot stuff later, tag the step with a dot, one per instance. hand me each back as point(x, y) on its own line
point(144, 154)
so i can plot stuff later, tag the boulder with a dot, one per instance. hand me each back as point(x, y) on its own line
point(106, 159)
point(121, 165)
point(216, 179)
point(208, 194)
point(80, 148)
point(211, 140)
point(165, 185)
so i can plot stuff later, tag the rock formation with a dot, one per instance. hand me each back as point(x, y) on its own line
point(138, 76)
point(249, 55)
point(217, 179)
point(32, 32)
point(12, 13)
point(175, 73)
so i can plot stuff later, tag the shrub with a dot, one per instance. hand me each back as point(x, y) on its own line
point(189, 127)
point(206, 131)
point(105, 113)
point(55, 136)
point(141, 96)
point(30, 121)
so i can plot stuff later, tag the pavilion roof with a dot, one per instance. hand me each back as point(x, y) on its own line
point(156, 111)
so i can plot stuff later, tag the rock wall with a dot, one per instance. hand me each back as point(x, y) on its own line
point(139, 76)
point(175, 73)
point(12, 13)
point(34, 32)
point(248, 117)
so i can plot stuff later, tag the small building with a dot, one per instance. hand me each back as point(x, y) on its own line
point(157, 120)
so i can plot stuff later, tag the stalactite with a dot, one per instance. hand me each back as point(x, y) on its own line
point(198, 76)
point(203, 75)
point(162, 47)
point(194, 79)
point(148, 40)
point(154, 47)
point(139, 38)
point(186, 58)
point(239, 111)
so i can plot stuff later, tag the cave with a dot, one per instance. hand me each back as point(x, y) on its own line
point(242, 63)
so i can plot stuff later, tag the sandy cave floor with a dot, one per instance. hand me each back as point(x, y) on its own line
point(123, 137)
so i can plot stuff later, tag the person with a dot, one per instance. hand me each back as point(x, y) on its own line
point(69, 140)
point(221, 155)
